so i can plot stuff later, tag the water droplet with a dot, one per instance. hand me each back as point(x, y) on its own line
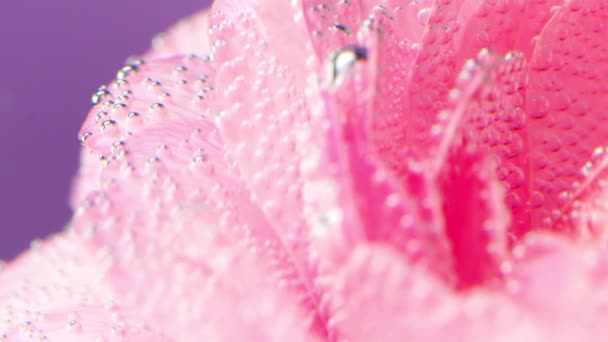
point(423, 16)
point(537, 199)
point(542, 58)
point(564, 197)
point(84, 137)
point(74, 326)
point(538, 107)
point(100, 95)
point(598, 153)
point(342, 28)
point(107, 124)
point(125, 71)
point(156, 106)
point(512, 200)
point(344, 59)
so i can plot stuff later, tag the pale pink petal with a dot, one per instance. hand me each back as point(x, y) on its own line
point(379, 297)
point(565, 102)
point(265, 120)
point(280, 24)
point(562, 285)
point(60, 291)
point(188, 36)
point(164, 194)
point(546, 266)
point(332, 24)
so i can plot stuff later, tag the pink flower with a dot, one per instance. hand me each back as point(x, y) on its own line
point(347, 170)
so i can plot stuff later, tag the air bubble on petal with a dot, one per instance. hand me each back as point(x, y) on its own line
point(344, 60)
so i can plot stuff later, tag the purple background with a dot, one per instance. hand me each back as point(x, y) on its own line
point(53, 55)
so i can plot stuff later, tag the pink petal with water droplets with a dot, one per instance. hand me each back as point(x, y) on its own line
point(566, 97)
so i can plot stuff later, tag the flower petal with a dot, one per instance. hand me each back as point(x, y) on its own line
point(166, 196)
point(188, 36)
point(485, 113)
point(586, 212)
point(380, 297)
point(398, 35)
point(59, 291)
point(373, 206)
point(332, 24)
point(433, 73)
point(265, 119)
point(479, 135)
point(476, 219)
point(565, 102)
point(503, 26)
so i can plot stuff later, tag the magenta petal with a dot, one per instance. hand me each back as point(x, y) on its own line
point(486, 114)
point(566, 100)
point(376, 207)
point(476, 220)
point(482, 141)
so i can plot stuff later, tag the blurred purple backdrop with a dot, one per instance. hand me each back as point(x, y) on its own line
point(53, 55)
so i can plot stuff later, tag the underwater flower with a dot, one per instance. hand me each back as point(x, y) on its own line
point(346, 170)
